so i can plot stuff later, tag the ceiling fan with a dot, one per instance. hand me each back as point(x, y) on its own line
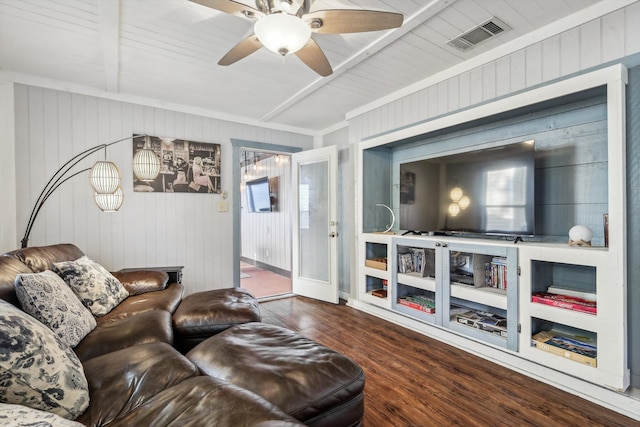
point(285, 27)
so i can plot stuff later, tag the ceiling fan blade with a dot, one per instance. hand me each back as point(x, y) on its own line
point(231, 7)
point(314, 57)
point(245, 48)
point(339, 21)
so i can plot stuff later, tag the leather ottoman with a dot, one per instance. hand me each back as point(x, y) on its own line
point(204, 314)
point(307, 380)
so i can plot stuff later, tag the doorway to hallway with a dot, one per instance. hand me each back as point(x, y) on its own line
point(265, 222)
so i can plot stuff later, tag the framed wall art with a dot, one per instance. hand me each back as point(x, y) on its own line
point(186, 166)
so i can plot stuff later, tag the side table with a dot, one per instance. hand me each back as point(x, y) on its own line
point(175, 272)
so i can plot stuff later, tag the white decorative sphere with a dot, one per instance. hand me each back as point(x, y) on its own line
point(580, 232)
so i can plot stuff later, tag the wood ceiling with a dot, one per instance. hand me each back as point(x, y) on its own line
point(167, 50)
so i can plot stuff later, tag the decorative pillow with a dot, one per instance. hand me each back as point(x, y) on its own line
point(98, 290)
point(47, 297)
point(18, 415)
point(36, 368)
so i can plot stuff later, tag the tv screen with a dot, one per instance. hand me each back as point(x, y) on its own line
point(487, 191)
point(258, 197)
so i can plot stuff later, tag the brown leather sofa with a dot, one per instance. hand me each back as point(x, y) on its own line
point(136, 376)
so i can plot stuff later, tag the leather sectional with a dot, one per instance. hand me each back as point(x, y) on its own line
point(250, 374)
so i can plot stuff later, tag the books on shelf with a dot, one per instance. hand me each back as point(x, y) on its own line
point(576, 293)
point(568, 347)
point(496, 273)
point(414, 261)
point(484, 321)
point(419, 302)
point(405, 263)
point(566, 302)
point(380, 293)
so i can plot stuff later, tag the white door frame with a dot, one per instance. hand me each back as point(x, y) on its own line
point(237, 146)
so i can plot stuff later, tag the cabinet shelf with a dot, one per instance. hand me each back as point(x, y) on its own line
point(488, 296)
point(415, 313)
point(558, 315)
point(417, 281)
point(478, 334)
point(374, 272)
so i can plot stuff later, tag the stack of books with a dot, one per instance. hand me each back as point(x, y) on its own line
point(581, 349)
point(419, 302)
point(496, 273)
point(590, 296)
point(570, 299)
point(566, 302)
point(414, 261)
point(484, 321)
point(380, 293)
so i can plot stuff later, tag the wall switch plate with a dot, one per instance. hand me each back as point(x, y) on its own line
point(223, 206)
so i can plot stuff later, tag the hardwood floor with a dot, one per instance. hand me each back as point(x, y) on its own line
point(413, 380)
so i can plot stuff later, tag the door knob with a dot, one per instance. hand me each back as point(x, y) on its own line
point(333, 234)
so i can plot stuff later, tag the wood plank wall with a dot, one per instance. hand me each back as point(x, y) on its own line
point(633, 222)
point(571, 162)
point(150, 229)
point(609, 38)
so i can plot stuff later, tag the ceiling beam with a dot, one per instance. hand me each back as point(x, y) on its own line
point(109, 17)
point(415, 20)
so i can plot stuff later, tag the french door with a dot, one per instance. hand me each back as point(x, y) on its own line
point(315, 229)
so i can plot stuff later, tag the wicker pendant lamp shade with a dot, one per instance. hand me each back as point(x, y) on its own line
point(109, 202)
point(104, 177)
point(146, 164)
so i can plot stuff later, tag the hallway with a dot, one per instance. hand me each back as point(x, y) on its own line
point(263, 283)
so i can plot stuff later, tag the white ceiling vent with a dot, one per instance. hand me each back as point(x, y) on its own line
point(479, 33)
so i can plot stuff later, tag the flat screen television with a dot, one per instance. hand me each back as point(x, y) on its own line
point(258, 197)
point(485, 191)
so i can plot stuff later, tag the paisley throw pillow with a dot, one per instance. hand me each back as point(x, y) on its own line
point(37, 369)
point(98, 290)
point(18, 415)
point(47, 297)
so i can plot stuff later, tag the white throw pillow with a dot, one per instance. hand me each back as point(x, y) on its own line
point(37, 369)
point(47, 297)
point(98, 290)
point(18, 415)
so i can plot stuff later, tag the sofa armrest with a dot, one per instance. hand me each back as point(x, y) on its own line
point(141, 281)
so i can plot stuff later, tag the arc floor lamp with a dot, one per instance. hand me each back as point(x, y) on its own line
point(104, 178)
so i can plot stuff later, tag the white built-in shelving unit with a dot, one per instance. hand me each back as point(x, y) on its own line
point(531, 266)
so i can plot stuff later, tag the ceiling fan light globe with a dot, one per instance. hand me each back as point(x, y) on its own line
point(285, 6)
point(282, 33)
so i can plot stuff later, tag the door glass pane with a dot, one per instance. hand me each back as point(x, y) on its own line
point(313, 193)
